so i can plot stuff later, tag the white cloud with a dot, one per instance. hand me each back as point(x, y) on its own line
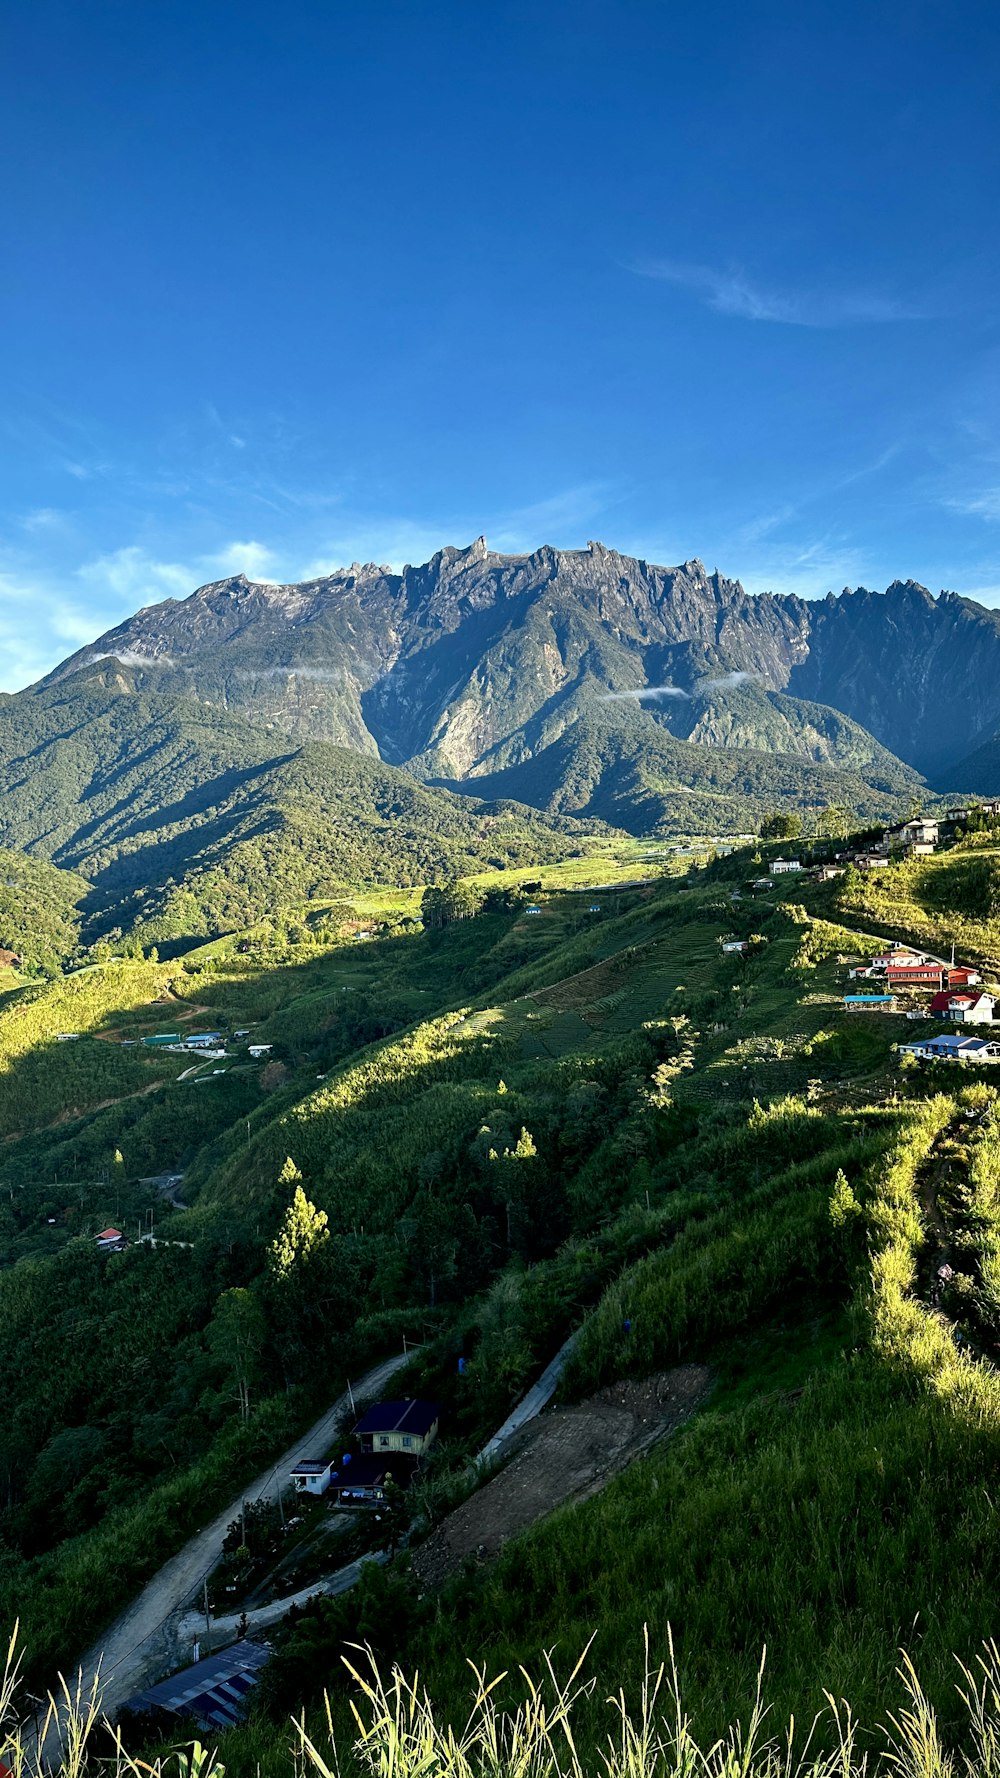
point(135, 579)
point(43, 518)
point(985, 505)
point(131, 657)
point(253, 559)
point(732, 292)
point(644, 694)
point(726, 681)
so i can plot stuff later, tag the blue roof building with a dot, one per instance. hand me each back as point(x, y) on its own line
point(213, 1692)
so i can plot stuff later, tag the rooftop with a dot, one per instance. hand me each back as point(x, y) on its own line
point(212, 1692)
point(399, 1416)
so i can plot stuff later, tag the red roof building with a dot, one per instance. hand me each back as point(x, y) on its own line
point(969, 1008)
point(922, 975)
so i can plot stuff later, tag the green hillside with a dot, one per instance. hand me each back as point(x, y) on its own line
point(196, 822)
point(483, 1136)
point(40, 913)
point(622, 766)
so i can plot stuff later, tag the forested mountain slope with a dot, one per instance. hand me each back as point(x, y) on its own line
point(622, 765)
point(40, 912)
point(139, 789)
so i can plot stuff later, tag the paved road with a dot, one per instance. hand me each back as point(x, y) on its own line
point(532, 1403)
point(192, 1625)
point(138, 1646)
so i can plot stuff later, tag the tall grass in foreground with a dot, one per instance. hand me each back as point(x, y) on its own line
point(399, 1735)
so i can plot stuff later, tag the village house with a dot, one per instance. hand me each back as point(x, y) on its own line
point(926, 974)
point(737, 945)
point(110, 1241)
point(952, 1049)
point(869, 1002)
point(259, 1049)
point(780, 867)
point(827, 872)
point(963, 1008)
point(961, 977)
point(409, 1427)
point(312, 1475)
point(919, 832)
point(870, 861)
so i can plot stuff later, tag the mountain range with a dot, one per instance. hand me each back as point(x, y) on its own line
point(374, 722)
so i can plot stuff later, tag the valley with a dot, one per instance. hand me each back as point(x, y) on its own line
point(498, 1131)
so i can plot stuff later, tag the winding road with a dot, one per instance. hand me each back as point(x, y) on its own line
point(149, 1636)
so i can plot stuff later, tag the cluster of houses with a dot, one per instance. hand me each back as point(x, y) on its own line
point(918, 838)
point(394, 1436)
point(209, 1044)
point(956, 994)
point(957, 997)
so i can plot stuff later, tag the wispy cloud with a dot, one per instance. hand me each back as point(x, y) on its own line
point(985, 505)
point(131, 657)
point(571, 512)
point(643, 694)
point(731, 291)
point(43, 518)
point(726, 681)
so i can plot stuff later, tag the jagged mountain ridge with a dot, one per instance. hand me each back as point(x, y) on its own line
point(477, 661)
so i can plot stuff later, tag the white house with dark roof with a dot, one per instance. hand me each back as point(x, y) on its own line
point(312, 1475)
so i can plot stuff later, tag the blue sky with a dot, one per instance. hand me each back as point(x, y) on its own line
point(288, 286)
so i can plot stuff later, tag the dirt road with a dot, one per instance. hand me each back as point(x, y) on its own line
point(138, 1646)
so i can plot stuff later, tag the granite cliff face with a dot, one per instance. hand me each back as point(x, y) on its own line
point(477, 662)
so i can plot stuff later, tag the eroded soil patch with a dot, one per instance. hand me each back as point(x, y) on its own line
point(566, 1454)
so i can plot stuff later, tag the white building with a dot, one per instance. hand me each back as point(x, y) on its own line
point(311, 1475)
point(952, 1049)
point(780, 867)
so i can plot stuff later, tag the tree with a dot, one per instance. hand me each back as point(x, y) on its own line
point(303, 1231)
point(432, 1243)
point(781, 826)
point(443, 905)
point(832, 822)
point(519, 1179)
point(236, 1338)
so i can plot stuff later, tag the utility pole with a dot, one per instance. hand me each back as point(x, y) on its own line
point(350, 1393)
point(208, 1618)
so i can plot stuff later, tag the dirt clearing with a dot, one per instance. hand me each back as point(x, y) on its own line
point(566, 1454)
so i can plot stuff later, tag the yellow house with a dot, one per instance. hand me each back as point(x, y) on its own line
point(409, 1427)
